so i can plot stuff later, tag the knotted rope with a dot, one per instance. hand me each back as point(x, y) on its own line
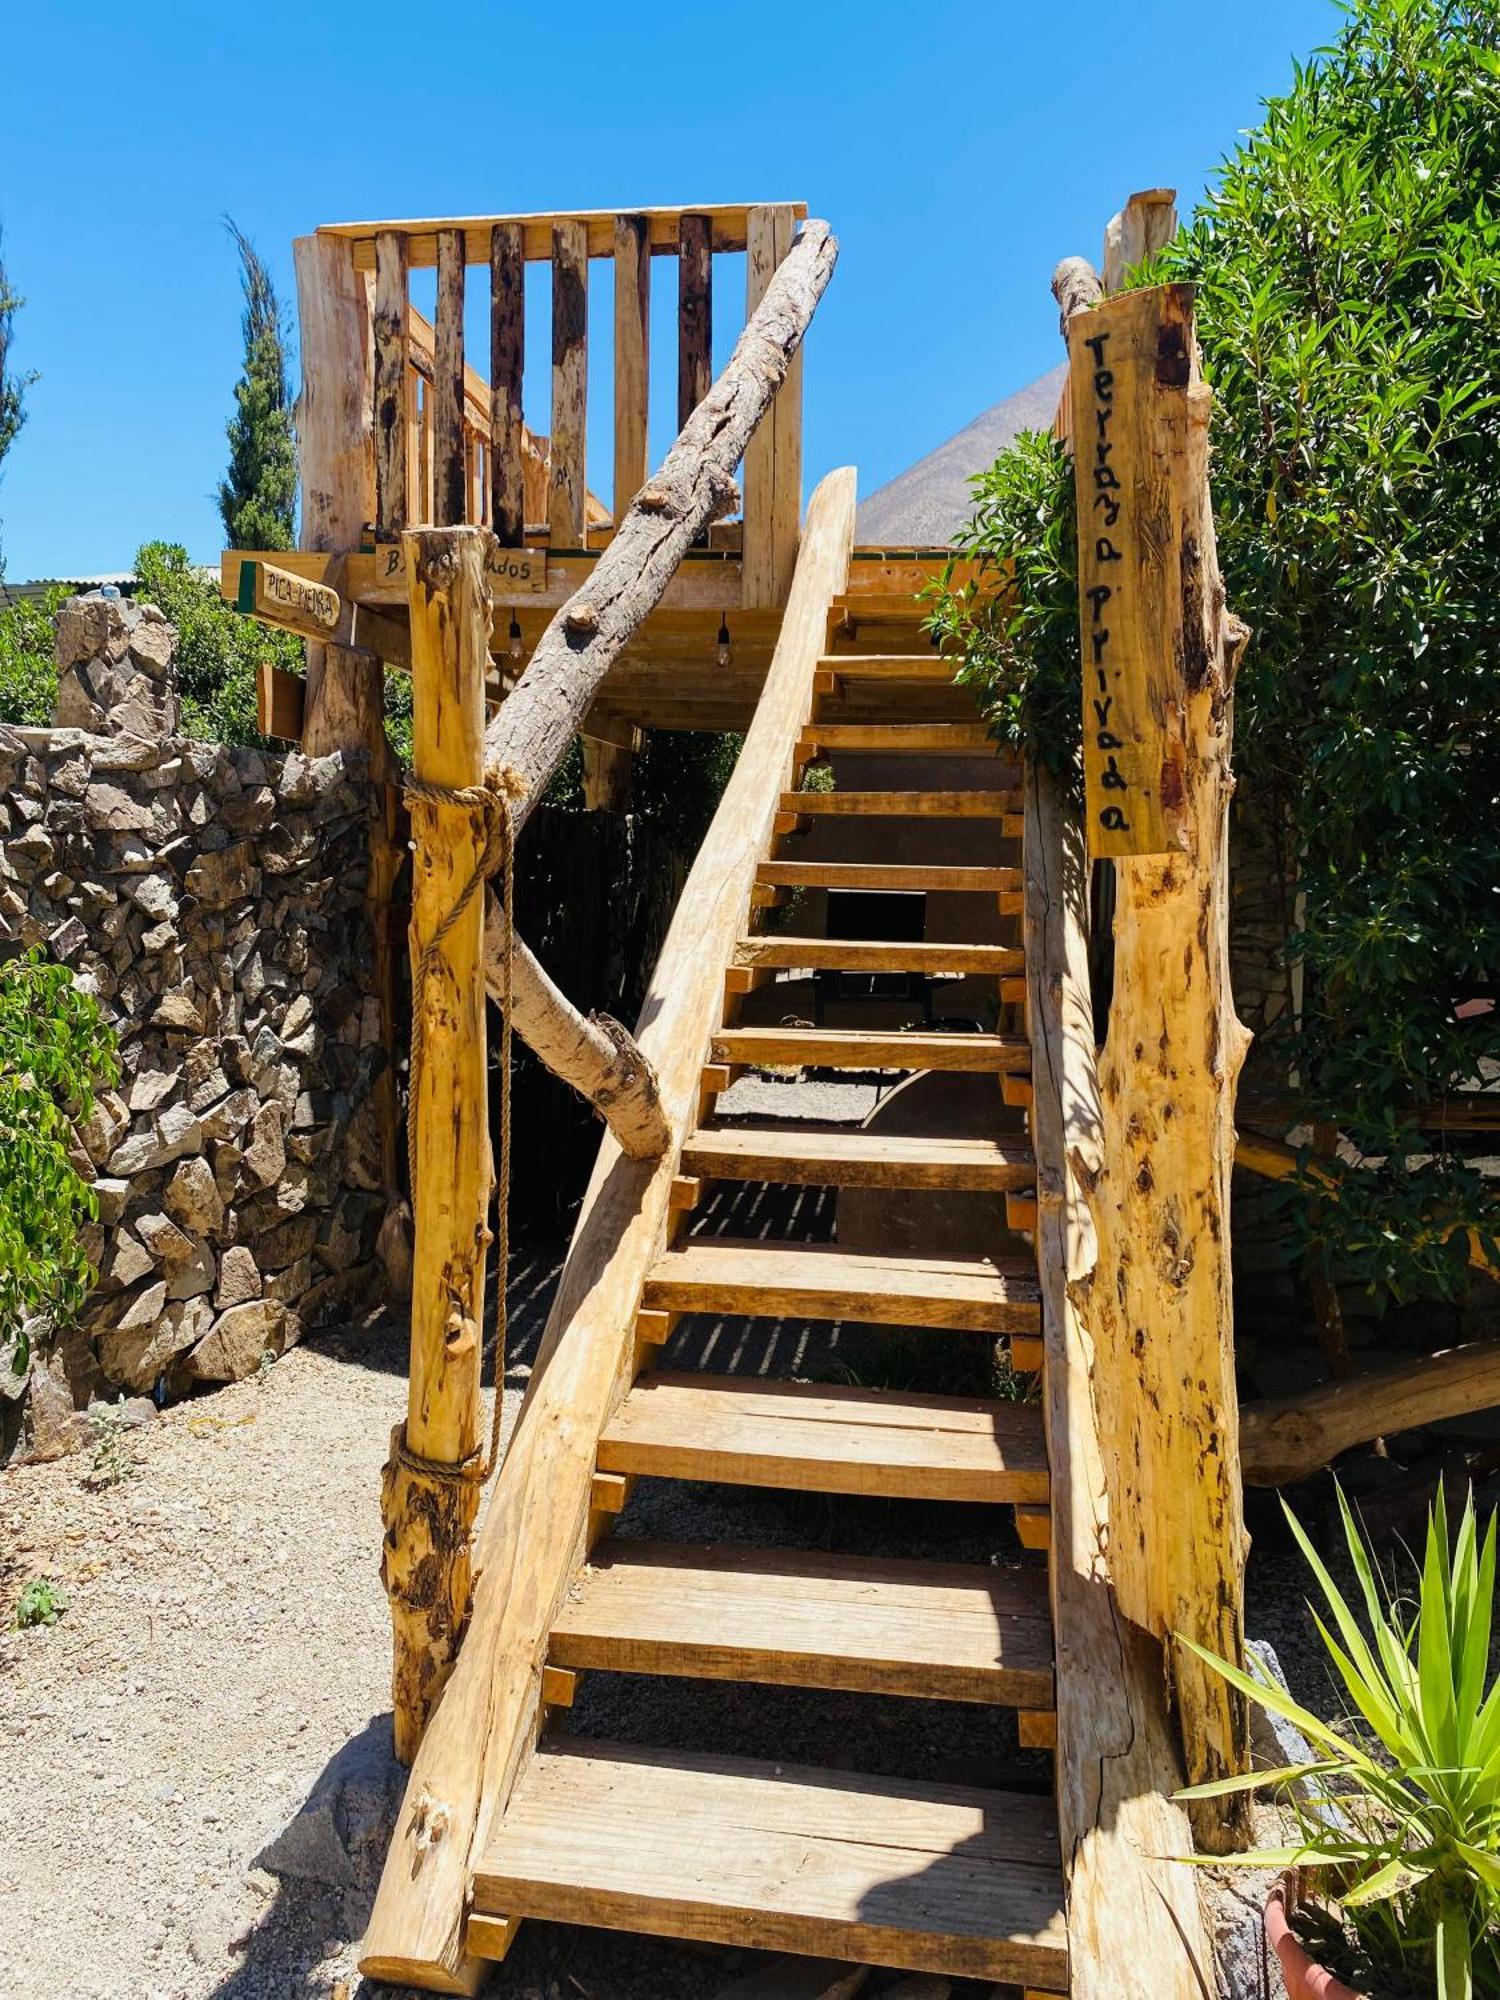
point(489, 805)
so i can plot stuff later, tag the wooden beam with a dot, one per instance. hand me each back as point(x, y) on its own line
point(449, 466)
point(695, 367)
point(729, 221)
point(508, 435)
point(769, 239)
point(393, 385)
point(278, 702)
point(570, 334)
point(428, 1517)
point(632, 357)
point(606, 775)
point(535, 1529)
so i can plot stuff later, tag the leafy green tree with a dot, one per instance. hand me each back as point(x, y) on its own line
point(56, 1051)
point(13, 387)
point(218, 648)
point(28, 667)
point(258, 496)
point(1348, 274)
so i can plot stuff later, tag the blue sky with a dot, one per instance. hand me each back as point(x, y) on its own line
point(958, 151)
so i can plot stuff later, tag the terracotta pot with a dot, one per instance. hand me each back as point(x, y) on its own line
point(1305, 1978)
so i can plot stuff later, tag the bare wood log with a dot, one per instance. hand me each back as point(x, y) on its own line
point(1291, 1437)
point(449, 465)
point(1135, 1931)
point(695, 268)
point(428, 1516)
point(593, 1052)
point(393, 384)
point(694, 485)
point(632, 357)
point(535, 1529)
point(1146, 223)
point(507, 364)
point(1161, 1292)
point(1076, 286)
point(567, 509)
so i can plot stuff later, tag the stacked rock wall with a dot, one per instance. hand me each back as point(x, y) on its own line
point(213, 899)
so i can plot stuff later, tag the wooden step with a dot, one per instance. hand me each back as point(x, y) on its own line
point(809, 1438)
point(943, 1631)
point(926, 1877)
point(904, 805)
point(926, 878)
point(859, 1159)
point(863, 1048)
point(782, 950)
point(928, 666)
point(721, 1274)
point(936, 739)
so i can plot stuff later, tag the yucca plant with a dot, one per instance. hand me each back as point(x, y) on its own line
point(1401, 1831)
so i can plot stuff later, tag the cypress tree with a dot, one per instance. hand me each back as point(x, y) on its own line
point(258, 496)
point(13, 387)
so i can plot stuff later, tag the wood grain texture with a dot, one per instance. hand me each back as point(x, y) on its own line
point(855, 1048)
point(922, 876)
point(812, 1439)
point(858, 1159)
point(938, 1631)
point(393, 385)
point(509, 438)
point(773, 467)
point(567, 495)
point(729, 220)
point(632, 358)
point(927, 1877)
point(450, 497)
point(695, 266)
point(780, 948)
point(891, 738)
point(906, 805)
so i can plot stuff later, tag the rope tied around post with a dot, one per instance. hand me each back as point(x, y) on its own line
point(490, 805)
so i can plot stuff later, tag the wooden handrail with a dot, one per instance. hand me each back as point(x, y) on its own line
point(537, 1528)
point(730, 221)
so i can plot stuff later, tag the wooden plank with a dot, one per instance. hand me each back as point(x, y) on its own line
point(926, 877)
point(947, 739)
point(769, 237)
point(449, 466)
point(393, 385)
point(921, 1876)
point(568, 488)
point(632, 358)
point(812, 1439)
point(490, 1938)
point(539, 1516)
point(508, 436)
point(941, 1631)
point(704, 583)
point(695, 371)
point(905, 805)
point(918, 668)
point(729, 219)
point(278, 702)
point(786, 420)
point(781, 950)
point(772, 1280)
point(854, 1048)
point(857, 1159)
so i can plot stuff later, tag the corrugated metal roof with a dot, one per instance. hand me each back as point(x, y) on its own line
point(19, 593)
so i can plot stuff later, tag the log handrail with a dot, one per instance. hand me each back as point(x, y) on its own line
point(537, 1527)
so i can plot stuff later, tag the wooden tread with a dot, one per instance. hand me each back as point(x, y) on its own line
point(858, 1159)
point(720, 1274)
point(928, 666)
point(781, 949)
point(904, 805)
point(937, 739)
point(862, 1048)
point(943, 1631)
point(923, 877)
point(809, 1438)
point(925, 1877)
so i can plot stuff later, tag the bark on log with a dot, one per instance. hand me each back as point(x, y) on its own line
point(1076, 286)
point(1292, 1437)
point(594, 1053)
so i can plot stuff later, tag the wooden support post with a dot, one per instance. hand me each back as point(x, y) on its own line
point(507, 363)
point(429, 1514)
point(1160, 652)
point(450, 468)
point(606, 775)
point(632, 358)
point(567, 507)
point(695, 265)
point(392, 384)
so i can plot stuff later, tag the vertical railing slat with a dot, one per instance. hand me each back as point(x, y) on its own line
point(392, 385)
point(767, 239)
point(632, 358)
point(695, 259)
point(567, 498)
point(785, 415)
point(507, 361)
point(450, 470)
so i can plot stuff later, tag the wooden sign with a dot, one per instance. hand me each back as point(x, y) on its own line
point(277, 597)
point(1132, 360)
point(508, 570)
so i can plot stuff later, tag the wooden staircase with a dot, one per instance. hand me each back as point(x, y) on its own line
point(952, 1878)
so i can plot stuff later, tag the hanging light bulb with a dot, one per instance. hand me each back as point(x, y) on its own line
point(516, 650)
point(723, 656)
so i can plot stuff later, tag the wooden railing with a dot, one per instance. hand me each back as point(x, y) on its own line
point(451, 448)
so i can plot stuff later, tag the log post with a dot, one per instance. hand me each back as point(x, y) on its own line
point(1159, 657)
point(429, 1513)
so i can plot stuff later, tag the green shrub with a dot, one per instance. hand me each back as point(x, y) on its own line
point(1348, 274)
point(218, 648)
point(28, 666)
point(56, 1050)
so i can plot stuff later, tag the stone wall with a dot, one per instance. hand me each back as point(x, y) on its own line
point(212, 898)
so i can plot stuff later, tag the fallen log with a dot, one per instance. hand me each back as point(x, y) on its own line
point(1292, 1437)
